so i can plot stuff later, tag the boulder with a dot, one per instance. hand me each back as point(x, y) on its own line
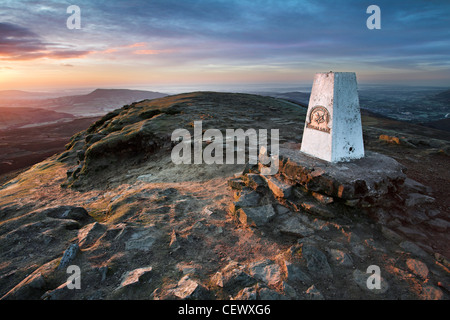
point(415, 199)
point(189, 289)
point(295, 274)
point(257, 216)
point(33, 286)
point(68, 212)
point(68, 256)
point(233, 277)
point(316, 261)
point(292, 226)
point(266, 271)
point(249, 293)
point(89, 234)
point(135, 276)
point(278, 188)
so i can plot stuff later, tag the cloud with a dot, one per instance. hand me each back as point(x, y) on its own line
point(150, 51)
point(135, 45)
point(18, 44)
point(282, 36)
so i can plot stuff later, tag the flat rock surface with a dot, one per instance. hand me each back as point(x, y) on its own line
point(368, 176)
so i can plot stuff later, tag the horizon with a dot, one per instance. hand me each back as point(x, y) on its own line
point(222, 44)
point(237, 88)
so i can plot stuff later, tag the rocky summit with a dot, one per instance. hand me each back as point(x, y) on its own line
point(113, 217)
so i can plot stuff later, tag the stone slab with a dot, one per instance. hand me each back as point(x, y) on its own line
point(372, 176)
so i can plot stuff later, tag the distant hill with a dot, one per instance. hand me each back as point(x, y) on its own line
point(21, 116)
point(99, 101)
point(96, 103)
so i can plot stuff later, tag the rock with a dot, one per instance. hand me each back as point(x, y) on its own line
point(412, 233)
point(145, 177)
point(249, 293)
point(433, 213)
point(391, 235)
point(143, 239)
point(68, 212)
point(255, 181)
point(313, 294)
point(257, 216)
point(189, 289)
point(89, 234)
point(282, 210)
point(414, 249)
point(232, 277)
point(361, 278)
point(340, 258)
point(295, 274)
point(316, 224)
point(236, 183)
point(135, 276)
point(414, 186)
point(430, 292)
point(174, 243)
point(370, 177)
point(438, 224)
point(417, 199)
point(389, 139)
point(322, 198)
point(358, 249)
point(317, 209)
point(246, 199)
point(289, 291)
point(56, 294)
point(417, 267)
point(316, 261)
point(187, 268)
point(269, 294)
point(266, 270)
point(103, 272)
point(69, 255)
point(278, 188)
point(32, 287)
point(292, 226)
point(416, 216)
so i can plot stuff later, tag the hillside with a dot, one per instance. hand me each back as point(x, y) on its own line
point(140, 227)
point(99, 101)
point(95, 103)
point(24, 147)
point(21, 116)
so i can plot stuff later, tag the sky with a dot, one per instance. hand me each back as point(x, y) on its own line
point(225, 42)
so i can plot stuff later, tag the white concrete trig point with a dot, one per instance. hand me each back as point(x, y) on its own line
point(333, 130)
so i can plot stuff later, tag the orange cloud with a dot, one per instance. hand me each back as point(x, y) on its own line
point(109, 50)
point(149, 51)
point(134, 45)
